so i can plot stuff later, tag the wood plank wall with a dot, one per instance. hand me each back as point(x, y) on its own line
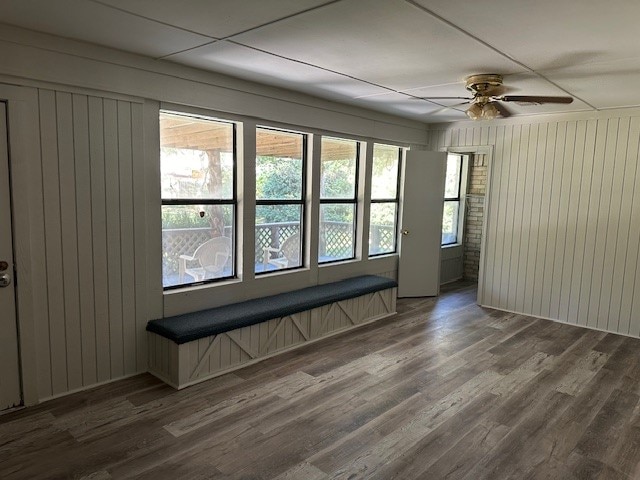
point(563, 228)
point(91, 324)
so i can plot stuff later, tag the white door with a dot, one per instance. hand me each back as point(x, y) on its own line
point(421, 224)
point(10, 394)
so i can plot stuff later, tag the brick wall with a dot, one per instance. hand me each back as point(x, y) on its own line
point(474, 216)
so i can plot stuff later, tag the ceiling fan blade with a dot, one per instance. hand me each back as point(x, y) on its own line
point(504, 111)
point(534, 99)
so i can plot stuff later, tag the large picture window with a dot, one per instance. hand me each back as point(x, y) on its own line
point(338, 199)
point(451, 212)
point(280, 199)
point(385, 189)
point(198, 181)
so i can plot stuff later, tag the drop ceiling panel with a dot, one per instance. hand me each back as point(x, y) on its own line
point(217, 19)
point(388, 42)
point(95, 23)
point(261, 67)
point(547, 34)
point(421, 110)
point(605, 84)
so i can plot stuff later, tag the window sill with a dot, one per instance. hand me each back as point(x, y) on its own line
point(334, 263)
point(451, 245)
point(194, 288)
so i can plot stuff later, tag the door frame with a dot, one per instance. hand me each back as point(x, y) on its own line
point(11, 395)
point(24, 172)
point(488, 151)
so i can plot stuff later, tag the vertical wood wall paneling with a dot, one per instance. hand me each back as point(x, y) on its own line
point(612, 254)
point(517, 266)
point(553, 257)
point(488, 137)
point(68, 221)
point(127, 256)
point(94, 305)
point(39, 272)
point(573, 210)
point(505, 216)
point(628, 309)
point(542, 211)
point(564, 195)
point(99, 240)
point(85, 247)
point(563, 224)
point(549, 213)
point(139, 233)
point(114, 275)
point(53, 232)
point(532, 194)
point(585, 313)
point(602, 233)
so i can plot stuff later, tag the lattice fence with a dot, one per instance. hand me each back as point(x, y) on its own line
point(382, 239)
point(336, 240)
point(272, 235)
point(182, 241)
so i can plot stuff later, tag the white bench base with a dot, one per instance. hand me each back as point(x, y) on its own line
point(196, 361)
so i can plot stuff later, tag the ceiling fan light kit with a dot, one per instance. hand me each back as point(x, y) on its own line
point(474, 112)
point(487, 90)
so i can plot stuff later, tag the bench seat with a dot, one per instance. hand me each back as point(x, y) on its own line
point(192, 326)
point(192, 347)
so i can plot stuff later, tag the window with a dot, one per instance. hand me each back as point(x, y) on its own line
point(280, 198)
point(451, 212)
point(338, 199)
point(198, 181)
point(385, 183)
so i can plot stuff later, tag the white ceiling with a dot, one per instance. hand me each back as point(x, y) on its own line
point(376, 54)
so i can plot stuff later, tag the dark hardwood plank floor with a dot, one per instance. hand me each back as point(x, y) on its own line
point(443, 390)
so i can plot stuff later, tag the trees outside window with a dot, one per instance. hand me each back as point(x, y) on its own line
point(280, 198)
point(338, 199)
point(198, 170)
point(451, 211)
point(385, 190)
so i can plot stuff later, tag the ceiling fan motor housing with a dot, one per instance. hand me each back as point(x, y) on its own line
point(483, 84)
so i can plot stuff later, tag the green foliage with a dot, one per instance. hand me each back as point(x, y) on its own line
point(278, 178)
point(338, 179)
point(188, 216)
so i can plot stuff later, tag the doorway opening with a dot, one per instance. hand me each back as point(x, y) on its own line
point(474, 216)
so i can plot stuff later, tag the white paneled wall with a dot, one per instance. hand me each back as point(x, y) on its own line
point(563, 219)
point(92, 326)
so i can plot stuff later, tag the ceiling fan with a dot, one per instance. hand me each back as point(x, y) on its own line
point(487, 97)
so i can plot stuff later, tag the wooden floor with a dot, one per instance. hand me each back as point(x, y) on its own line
point(445, 389)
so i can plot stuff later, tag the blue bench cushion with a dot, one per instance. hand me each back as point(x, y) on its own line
point(192, 326)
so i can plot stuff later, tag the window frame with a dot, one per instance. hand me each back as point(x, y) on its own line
point(395, 200)
point(302, 202)
point(344, 201)
point(233, 201)
point(457, 199)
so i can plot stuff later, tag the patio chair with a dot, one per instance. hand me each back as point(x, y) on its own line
point(288, 255)
point(211, 256)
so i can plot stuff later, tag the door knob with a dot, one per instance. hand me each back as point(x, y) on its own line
point(5, 280)
point(405, 232)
